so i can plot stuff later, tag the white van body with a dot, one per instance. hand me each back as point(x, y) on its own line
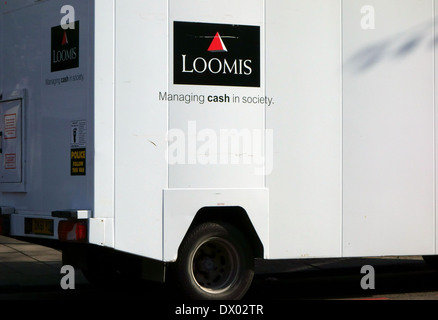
point(113, 120)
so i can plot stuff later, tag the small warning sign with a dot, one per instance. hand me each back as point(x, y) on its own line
point(78, 134)
point(10, 161)
point(10, 126)
point(78, 162)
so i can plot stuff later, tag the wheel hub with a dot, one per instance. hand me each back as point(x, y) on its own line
point(215, 265)
point(207, 264)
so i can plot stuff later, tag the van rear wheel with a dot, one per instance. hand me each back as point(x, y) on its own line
point(214, 262)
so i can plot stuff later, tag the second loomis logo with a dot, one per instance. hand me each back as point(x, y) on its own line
point(65, 48)
point(216, 54)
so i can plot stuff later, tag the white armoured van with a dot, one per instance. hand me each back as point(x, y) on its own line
point(200, 135)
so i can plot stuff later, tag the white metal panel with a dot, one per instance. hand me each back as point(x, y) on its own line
point(193, 119)
point(388, 121)
point(181, 206)
point(101, 231)
point(104, 94)
point(436, 122)
point(303, 52)
point(140, 125)
point(104, 109)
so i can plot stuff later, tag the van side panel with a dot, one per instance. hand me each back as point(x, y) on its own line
point(303, 70)
point(388, 138)
point(52, 69)
point(141, 46)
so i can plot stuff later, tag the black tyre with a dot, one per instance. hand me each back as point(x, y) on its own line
point(214, 262)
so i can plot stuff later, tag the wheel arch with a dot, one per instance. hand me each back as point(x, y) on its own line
point(236, 216)
point(247, 209)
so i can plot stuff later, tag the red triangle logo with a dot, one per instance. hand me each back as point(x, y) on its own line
point(64, 39)
point(217, 45)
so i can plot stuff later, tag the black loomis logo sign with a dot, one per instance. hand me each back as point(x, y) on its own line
point(65, 48)
point(216, 54)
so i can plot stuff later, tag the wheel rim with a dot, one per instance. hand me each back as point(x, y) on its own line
point(215, 265)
